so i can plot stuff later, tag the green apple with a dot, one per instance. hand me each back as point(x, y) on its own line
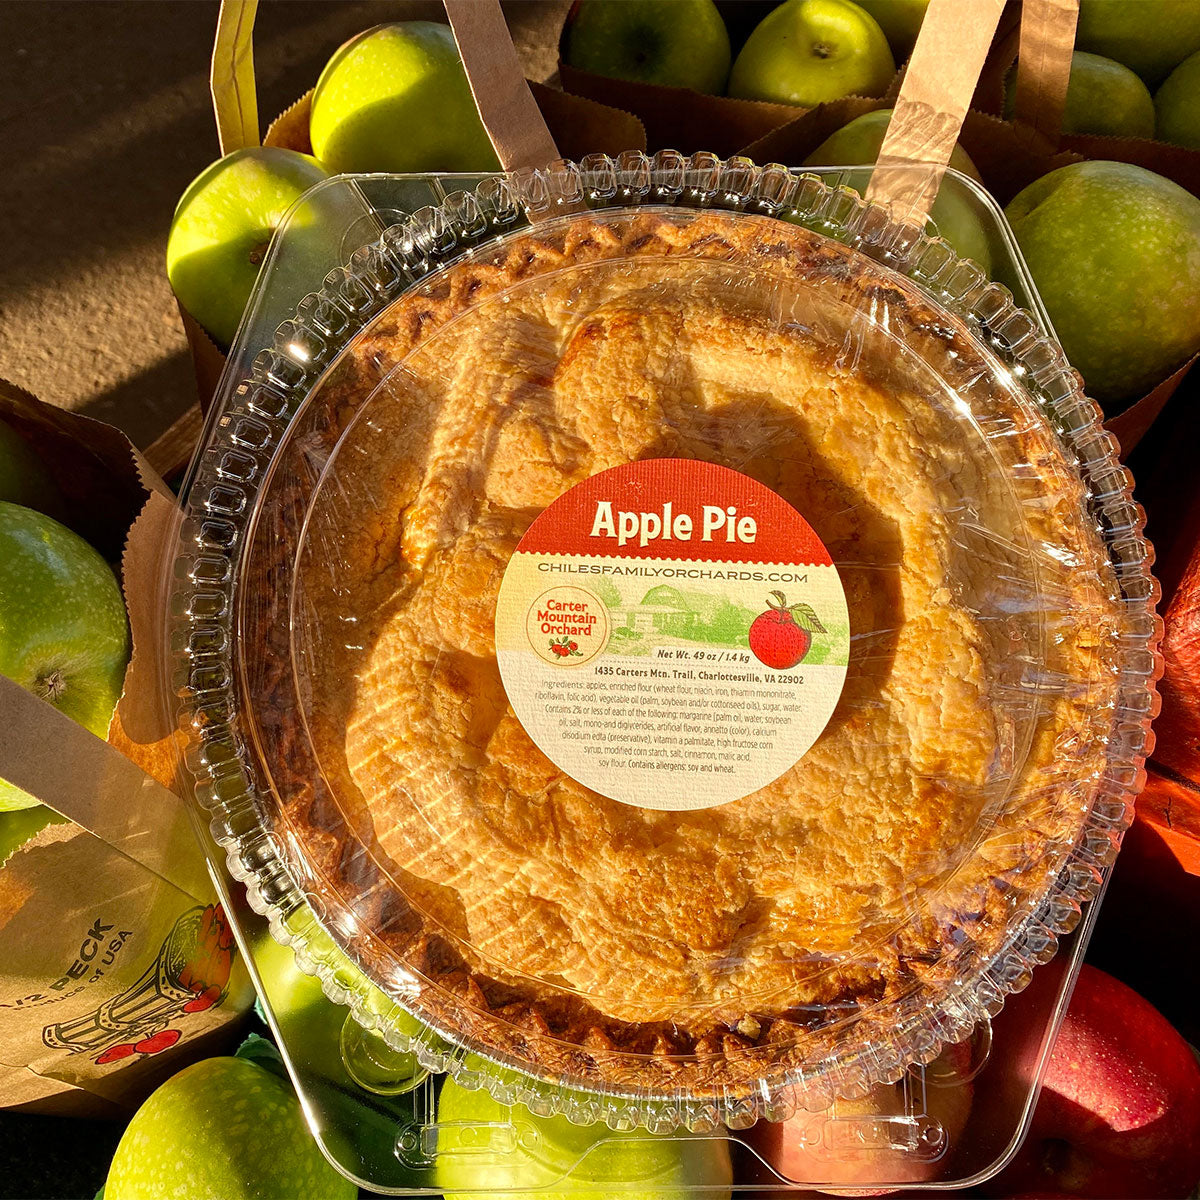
point(635, 1166)
point(322, 949)
point(63, 631)
point(676, 43)
point(223, 226)
point(21, 825)
point(900, 21)
point(24, 478)
point(809, 51)
point(1177, 104)
point(1103, 97)
point(1150, 36)
point(396, 98)
point(358, 1132)
point(1115, 252)
point(223, 1128)
point(953, 214)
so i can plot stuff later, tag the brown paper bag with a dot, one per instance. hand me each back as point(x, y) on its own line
point(111, 976)
point(116, 964)
point(688, 121)
point(680, 118)
point(578, 125)
point(929, 108)
point(943, 81)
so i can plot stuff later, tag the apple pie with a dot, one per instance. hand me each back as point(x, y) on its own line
point(871, 887)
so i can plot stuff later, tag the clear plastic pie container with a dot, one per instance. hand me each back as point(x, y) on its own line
point(665, 946)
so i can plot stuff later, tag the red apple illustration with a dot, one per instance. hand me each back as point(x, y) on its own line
point(207, 971)
point(158, 1042)
point(207, 998)
point(781, 637)
point(115, 1053)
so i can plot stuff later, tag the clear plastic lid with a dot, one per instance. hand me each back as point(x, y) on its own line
point(795, 802)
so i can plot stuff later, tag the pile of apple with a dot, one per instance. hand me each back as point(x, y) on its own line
point(1113, 248)
point(804, 52)
point(394, 98)
point(1119, 1116)
point(64, 634)
point(808, 52)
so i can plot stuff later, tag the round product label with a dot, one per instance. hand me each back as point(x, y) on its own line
point(672, 634)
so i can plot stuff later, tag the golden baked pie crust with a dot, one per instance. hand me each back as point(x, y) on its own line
point(573, 934)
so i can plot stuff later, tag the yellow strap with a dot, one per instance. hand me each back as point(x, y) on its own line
point(235, 101)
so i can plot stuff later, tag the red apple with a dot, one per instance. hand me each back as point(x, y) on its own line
point(1119, 1113)
point(805, 1150)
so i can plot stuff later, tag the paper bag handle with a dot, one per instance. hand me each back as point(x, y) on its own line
point(513, 121)
point(946, 63)
point(1047, 40)
point(81, 776)
point(509, 112)
point(231, 76)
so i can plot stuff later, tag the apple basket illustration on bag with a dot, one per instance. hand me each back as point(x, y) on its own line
point(189, 975)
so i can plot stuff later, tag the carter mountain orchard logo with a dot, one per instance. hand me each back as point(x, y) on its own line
point(672, 634)
point(567, 625)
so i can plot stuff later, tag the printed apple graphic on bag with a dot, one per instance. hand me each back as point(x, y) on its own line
point(206, 973)
point(782, 636)
point(190, 975)
point(154, 1043)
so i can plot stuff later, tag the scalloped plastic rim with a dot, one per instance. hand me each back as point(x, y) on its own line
point(230, 469)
